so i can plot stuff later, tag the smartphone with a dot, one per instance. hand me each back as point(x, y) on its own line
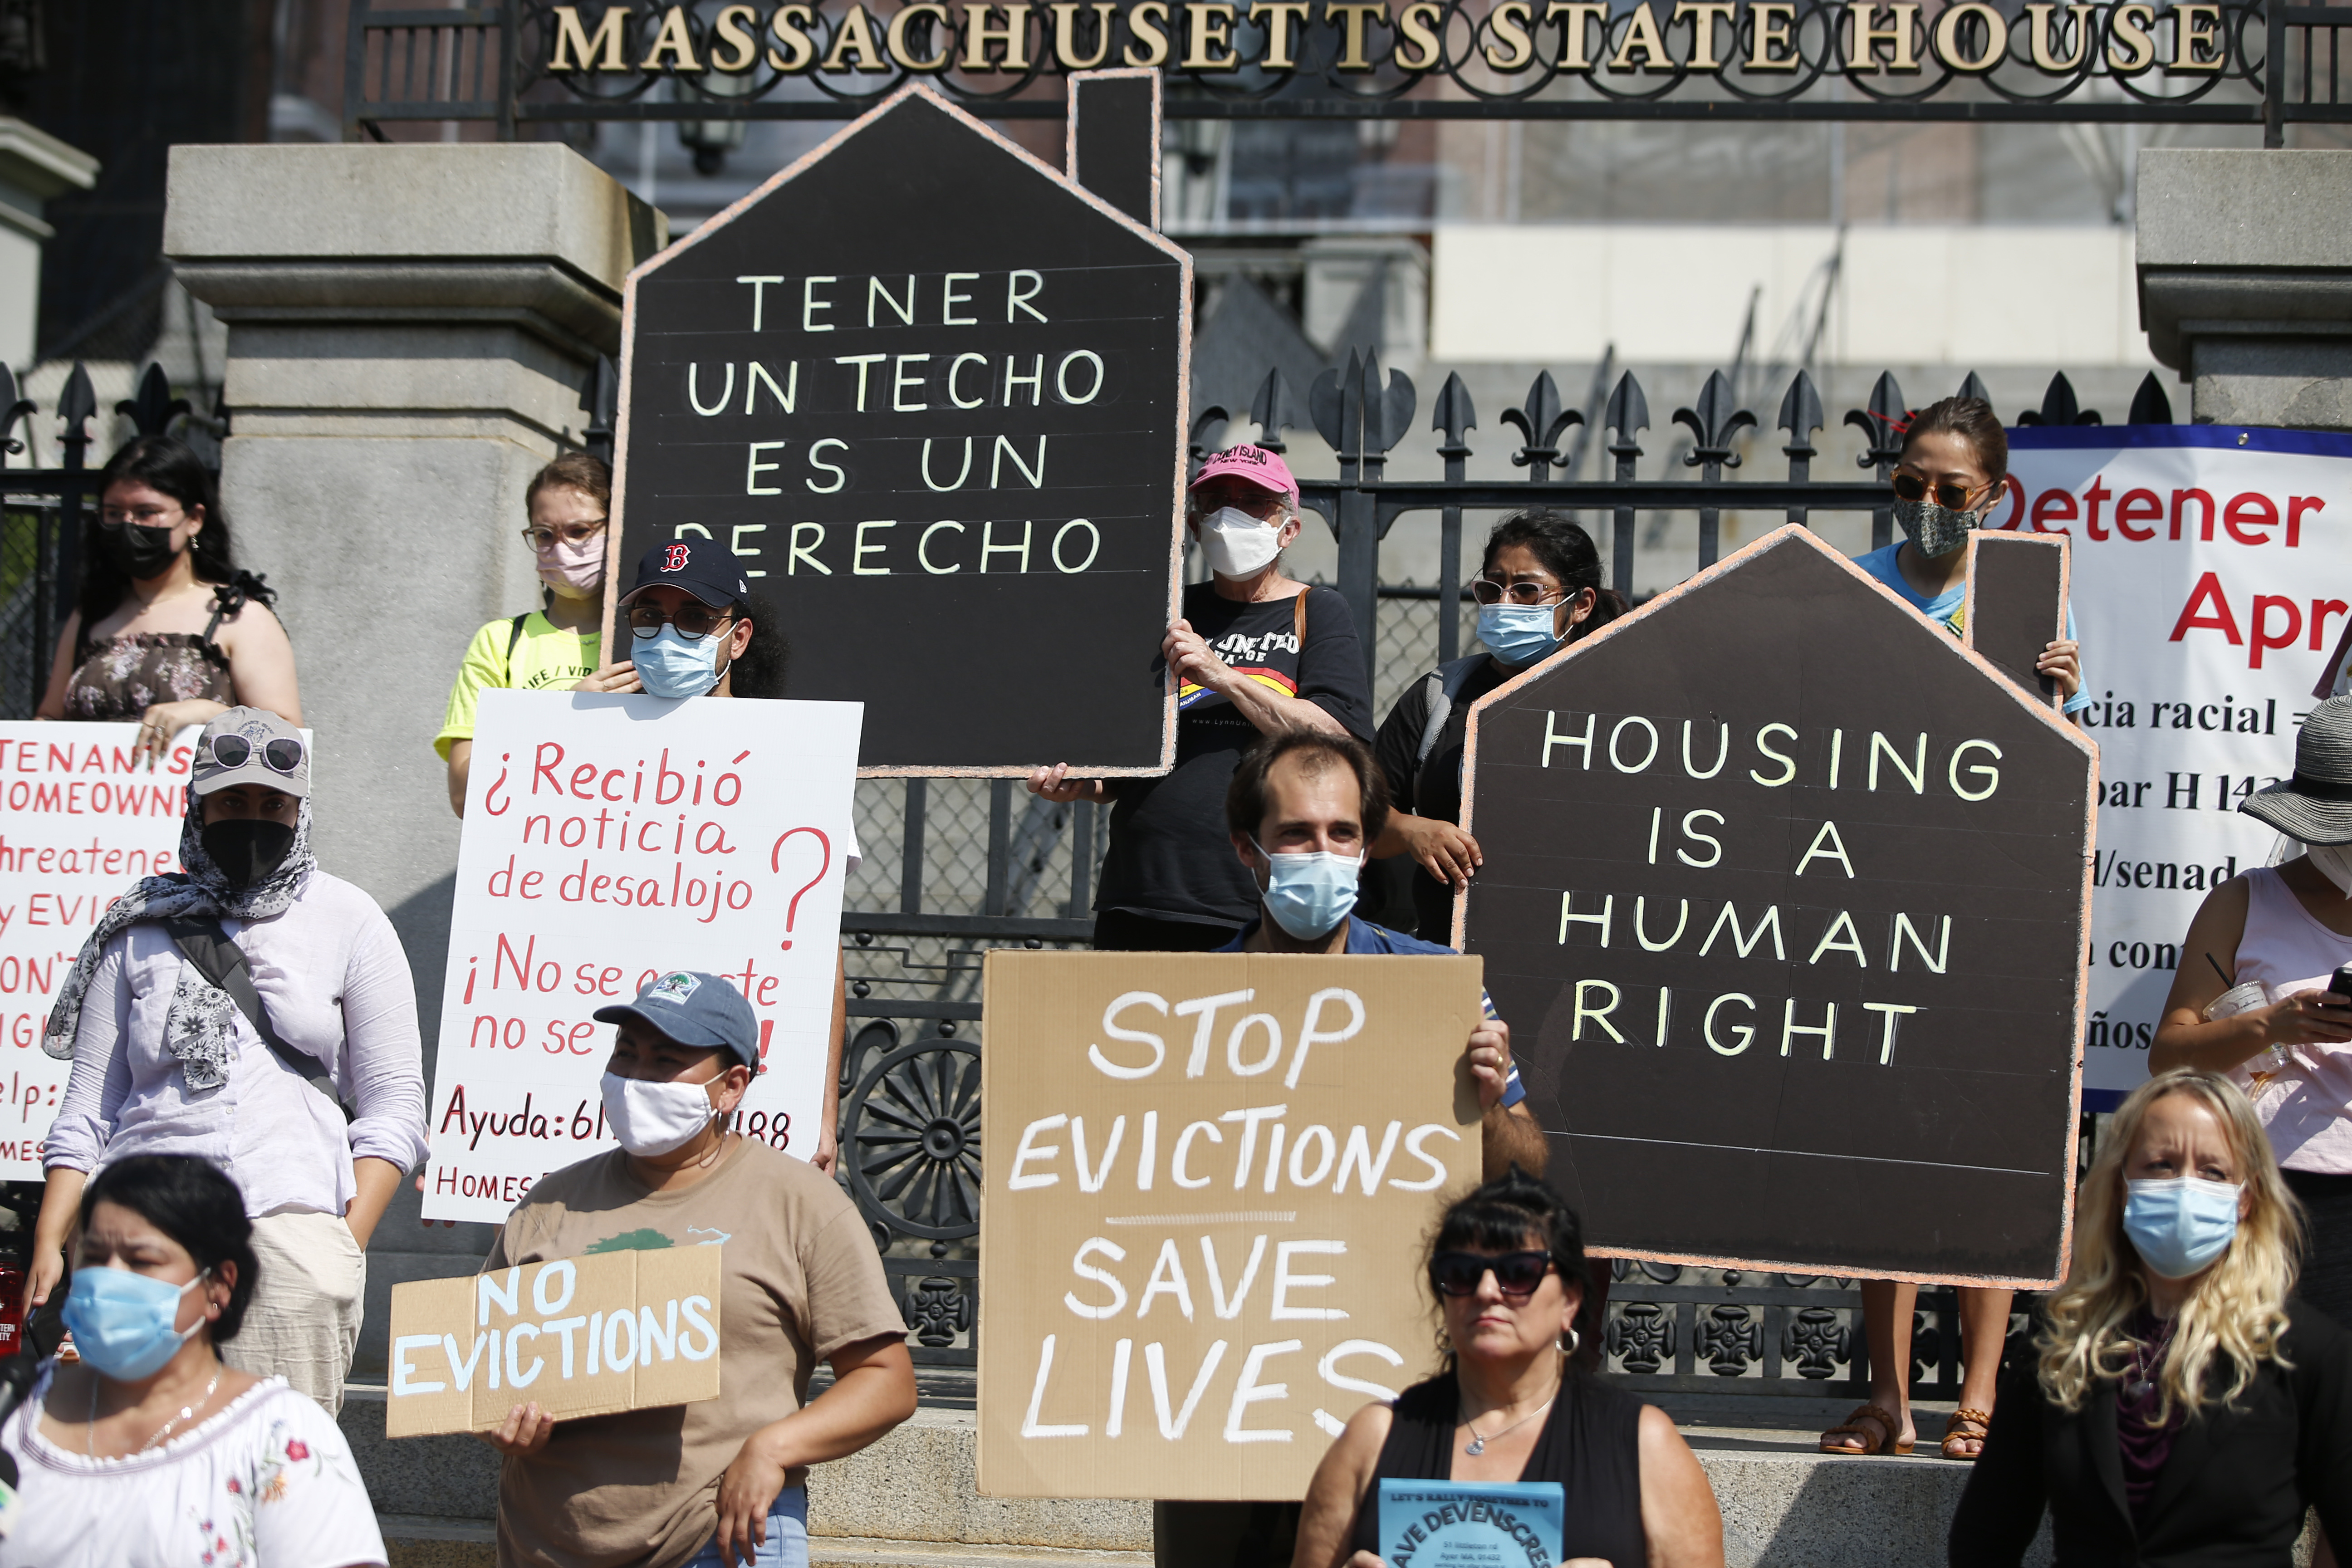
point(2340, 983)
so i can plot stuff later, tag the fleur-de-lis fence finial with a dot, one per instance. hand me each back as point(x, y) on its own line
point(1273, 411)
point(1712, 425)
point(2149, 406)
point(1541, 420)
point(2059, 406)
point(154, 407)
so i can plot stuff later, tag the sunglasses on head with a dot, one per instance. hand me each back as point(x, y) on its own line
point(1911, 487)
point(1459, 1273)
point(281, 755)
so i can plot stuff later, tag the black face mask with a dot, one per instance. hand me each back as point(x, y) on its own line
point(248, 849)
point(142, 552)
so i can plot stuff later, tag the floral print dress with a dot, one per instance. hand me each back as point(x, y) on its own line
point(267, 1480)
point(119, 680)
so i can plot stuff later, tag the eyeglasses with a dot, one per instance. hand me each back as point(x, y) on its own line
point(145, 516)
point(1525, 591)
point(543, 539)
point(281, 755)
point(1459, 1273)
point(1952, 497)
point(695, 621)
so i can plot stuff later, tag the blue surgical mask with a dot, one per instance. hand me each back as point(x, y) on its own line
point(1308, 895)
point(672, 665)
point(122, 1322)
point(2182, 1225)
point(1518, 635)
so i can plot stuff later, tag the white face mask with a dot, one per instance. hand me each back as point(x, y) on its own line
point(1236, 544)
point(2333, 862)
point(652, 1118)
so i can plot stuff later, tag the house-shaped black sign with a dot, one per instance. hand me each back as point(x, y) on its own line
point(932, 391)
point(1785, 899)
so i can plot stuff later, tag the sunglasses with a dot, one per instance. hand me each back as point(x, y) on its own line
point(1952, 497)
point(283, 756)
point(1525, 591)
point(1459, 1273)
point(696, 620)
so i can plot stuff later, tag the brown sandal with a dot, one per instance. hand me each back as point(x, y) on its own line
point(1957, 1431)
point(1873, 1442)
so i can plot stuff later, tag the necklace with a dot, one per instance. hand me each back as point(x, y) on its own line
point(89, 1439)
point(1478, 1440)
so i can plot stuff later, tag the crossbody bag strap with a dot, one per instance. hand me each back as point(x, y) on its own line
point(514, 641)
point(206, 944)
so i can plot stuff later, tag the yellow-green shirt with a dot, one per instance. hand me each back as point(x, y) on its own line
point(545, 657)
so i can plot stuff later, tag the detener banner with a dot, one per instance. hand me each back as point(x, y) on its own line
point(2209, 589)
point(932, 392)
point(608, 840)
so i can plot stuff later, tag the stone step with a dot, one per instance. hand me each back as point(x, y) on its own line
point(857, 1552)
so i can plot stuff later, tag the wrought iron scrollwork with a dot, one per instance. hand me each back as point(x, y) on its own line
point(1730, 1339)
point(911, 1140)
point(1816, 1341)
point(937, 1310)
point(1642, 1336)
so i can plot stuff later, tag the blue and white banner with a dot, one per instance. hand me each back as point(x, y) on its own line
point(2213, 583)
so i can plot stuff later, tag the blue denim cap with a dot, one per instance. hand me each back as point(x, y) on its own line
point(694, 1009)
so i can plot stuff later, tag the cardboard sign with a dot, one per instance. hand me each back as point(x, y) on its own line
point(579, 1336)
point(2015, 603)
point(609, 840)
point(933, 393)
point(1210, 1179)
point(2208, 590)
point(1786, 896)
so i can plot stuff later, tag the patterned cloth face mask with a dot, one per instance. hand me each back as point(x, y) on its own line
point(1936, 529)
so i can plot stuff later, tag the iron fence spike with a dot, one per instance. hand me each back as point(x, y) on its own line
point(1972, 386)
point(77, 403)
point(1324, 407)
point(1452, 413)
point(1801, 411)
point(1272, 411)
point(1197, 449)
point(1629, 411)
point(2059, 406)
point(2149, 405)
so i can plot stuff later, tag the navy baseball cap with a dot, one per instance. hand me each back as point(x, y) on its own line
point(694, 1009)
point(703, 567)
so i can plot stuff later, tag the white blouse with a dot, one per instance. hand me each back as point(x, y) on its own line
point(332, 974)
point(267, 1480)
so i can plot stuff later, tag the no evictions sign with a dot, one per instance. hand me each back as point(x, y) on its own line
point(932, 392)
point(608, 841)
point(1209, 1178)
point(1786, 897)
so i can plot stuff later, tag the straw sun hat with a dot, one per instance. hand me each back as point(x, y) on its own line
point(2315, 804)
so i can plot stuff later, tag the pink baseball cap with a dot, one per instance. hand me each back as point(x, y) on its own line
point(1261, 468)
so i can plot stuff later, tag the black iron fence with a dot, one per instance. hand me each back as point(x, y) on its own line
point(955, 867)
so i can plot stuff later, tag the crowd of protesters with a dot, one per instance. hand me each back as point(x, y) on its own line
point(246, 1096)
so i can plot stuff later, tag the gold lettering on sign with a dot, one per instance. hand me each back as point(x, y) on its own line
point(789, 26)
point(1279, 15)
point(1577, 16)
point(1861, 57)
point(1946, 38)
point(2038, 35)
point(1351, 14)
point(1417, 26)
point(2129, 24)
point(1509, 21)
point(733, 30)
point(902, 53)
point(1702, 15)
point(855, 34)
point(1642, 33)
point(576, 49)
point(2190, 41)
point(673, 45)
point(1014, 35)
point(1146, 21)
point(1771, 20)
point(1210, 25)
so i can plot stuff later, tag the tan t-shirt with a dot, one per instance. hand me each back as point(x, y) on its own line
point(801, 1279)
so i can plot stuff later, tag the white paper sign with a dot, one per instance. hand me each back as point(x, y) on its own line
point(79, 824)
point(609, 840)
point(2209, 587)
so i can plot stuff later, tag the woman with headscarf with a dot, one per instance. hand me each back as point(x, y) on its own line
point(2181, 1406)
point(168, 630)
point(2252, 997)
point(224, 1011)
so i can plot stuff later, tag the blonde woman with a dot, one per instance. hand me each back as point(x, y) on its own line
point(2183, 1409)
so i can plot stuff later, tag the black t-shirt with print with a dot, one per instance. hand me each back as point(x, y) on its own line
point(1168, 855)
point(1440, 792)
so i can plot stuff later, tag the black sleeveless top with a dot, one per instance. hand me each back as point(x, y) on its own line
point(1590, 1444)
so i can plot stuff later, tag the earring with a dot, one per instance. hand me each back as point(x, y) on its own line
point(1574, 1339)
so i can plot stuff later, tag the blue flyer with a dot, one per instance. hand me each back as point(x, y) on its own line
point(1470, 1524)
